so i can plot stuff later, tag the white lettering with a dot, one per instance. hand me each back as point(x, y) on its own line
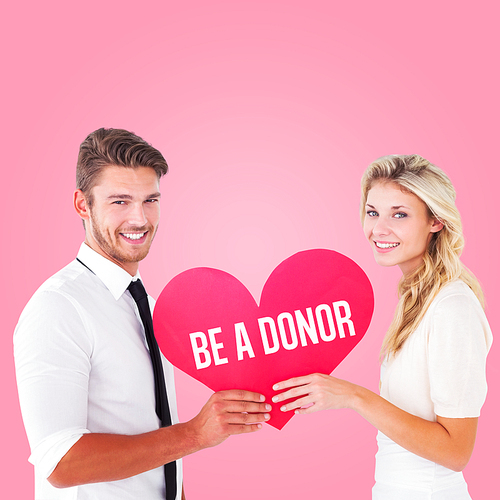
point(274, 334)
point(199, 350)
point(308, 326)
point(345, 319)
point(216, 346)
point(243, 343)
point(294, 341)
point(321, 326)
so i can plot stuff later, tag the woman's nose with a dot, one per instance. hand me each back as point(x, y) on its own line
point(381, 227)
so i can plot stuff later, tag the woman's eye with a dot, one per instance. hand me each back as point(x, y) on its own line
point(371, 213)
point(400, 215)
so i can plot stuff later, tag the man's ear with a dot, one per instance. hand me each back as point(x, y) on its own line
point(81, 205)
point(437, 225)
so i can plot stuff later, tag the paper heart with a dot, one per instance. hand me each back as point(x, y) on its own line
point(320, 302)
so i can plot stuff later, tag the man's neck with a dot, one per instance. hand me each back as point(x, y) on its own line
point(130, 267)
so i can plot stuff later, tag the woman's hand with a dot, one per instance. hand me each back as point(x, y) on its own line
point(447, 441)
point(315, 392)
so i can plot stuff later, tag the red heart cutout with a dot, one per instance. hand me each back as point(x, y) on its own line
point(309, 288)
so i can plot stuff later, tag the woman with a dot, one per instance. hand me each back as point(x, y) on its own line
point(433, 374)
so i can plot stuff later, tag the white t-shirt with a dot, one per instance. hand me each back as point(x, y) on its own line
point(440, 370)
point(82, 365)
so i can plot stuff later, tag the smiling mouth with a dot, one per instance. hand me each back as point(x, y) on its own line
point(133, 236)
point(379, 244)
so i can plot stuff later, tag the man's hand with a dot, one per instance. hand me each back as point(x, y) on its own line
point(109, 457)
point(227, 413)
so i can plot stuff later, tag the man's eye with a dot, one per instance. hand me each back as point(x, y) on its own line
point(152, 200)
point(119, 202)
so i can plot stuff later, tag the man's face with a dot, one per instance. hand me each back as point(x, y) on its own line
point(124, 215)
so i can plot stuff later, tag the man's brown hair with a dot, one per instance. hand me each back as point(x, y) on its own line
point(114, 146)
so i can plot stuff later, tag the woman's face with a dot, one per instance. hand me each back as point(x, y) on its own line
point(398, 226)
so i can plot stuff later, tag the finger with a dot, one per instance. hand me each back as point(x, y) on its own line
point(292, 393)
point(244, 407)
point(298, 403)
point(292, 382)
point(306, 411)
point(243, 429)
point(246, 418)
point(240, 395)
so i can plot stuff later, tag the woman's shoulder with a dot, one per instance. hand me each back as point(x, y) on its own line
point(455, 294)
point(457, 309)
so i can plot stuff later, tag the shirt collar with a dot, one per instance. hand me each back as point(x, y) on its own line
point(115, 279)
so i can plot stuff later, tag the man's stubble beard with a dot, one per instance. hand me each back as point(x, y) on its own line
point(113, 250)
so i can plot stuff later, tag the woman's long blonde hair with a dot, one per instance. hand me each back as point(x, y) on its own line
point(442, 263)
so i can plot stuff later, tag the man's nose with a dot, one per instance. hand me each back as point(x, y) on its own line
point(136, 216)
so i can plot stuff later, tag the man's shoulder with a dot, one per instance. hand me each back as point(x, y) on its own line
point(68, 280)
point(68, 285)
point(55, 301)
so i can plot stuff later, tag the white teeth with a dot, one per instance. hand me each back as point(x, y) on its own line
point(386, 245)
point(134, 236)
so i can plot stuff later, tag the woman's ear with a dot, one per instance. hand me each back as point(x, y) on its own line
point(437, 225)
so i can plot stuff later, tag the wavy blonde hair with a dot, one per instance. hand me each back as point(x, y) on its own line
point(441, 263)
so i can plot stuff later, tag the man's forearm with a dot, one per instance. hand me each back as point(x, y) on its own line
point(96, 457)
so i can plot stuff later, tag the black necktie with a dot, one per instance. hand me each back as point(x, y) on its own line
point(136, 289)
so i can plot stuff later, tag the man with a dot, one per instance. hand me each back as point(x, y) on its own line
point(86, 384)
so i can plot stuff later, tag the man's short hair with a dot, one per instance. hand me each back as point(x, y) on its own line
point(114, 146)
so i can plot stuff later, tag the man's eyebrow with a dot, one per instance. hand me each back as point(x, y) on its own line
point(119, 197)
point(128, 197)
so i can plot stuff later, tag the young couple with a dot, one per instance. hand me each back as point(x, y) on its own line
point(90, 399)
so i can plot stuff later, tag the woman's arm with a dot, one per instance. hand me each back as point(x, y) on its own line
point(448, 441)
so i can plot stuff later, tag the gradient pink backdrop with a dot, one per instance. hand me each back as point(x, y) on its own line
point(267, 112)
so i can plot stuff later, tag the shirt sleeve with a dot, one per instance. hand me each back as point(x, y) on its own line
point(459, 341)
point(52, 351)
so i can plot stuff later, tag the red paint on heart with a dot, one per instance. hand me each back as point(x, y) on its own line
point(203, 298)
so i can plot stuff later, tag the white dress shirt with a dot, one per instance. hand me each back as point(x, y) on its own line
point(82, 366)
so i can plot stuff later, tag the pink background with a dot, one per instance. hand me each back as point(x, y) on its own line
point(267, 112)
